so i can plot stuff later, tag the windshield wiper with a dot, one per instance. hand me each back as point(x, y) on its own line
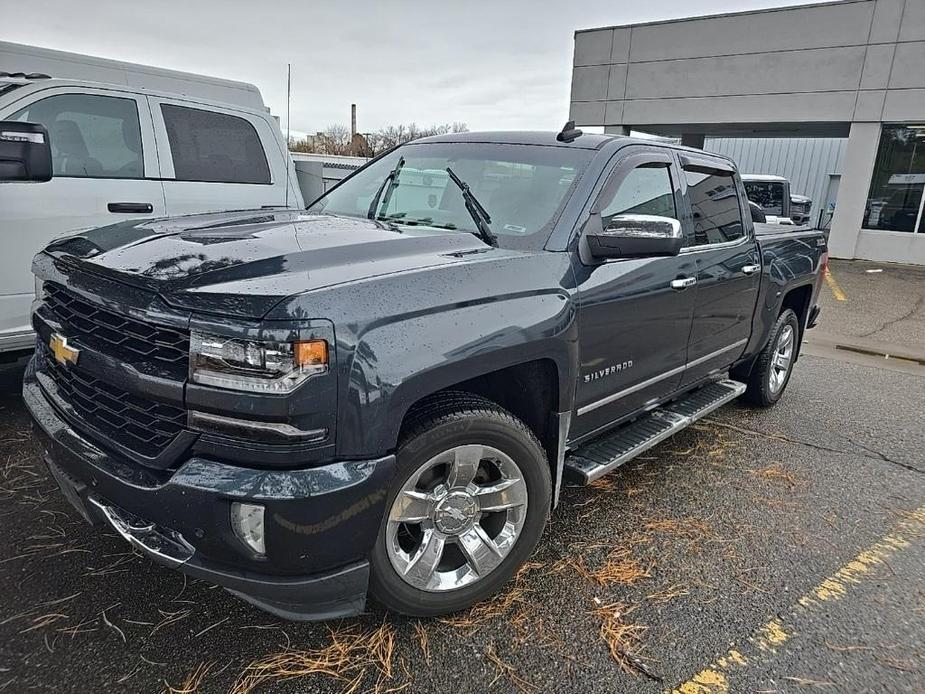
point(392, 182)
point(478, 213)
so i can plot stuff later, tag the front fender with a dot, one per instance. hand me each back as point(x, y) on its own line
point(398, 362)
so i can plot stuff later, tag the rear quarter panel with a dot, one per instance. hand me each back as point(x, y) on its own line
point(790, 259)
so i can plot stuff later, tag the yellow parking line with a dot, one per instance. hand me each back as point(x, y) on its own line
point(765, 640)
point(833, 285)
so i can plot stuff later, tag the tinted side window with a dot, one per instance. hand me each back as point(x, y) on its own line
point(91, 136)
point(214, 147)
point(715, 205)
point(645, 190)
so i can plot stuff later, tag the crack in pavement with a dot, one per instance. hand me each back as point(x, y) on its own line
point(875, 454)
point(919, 303)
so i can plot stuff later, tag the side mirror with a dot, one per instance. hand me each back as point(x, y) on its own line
point(758, 214)
point(25, 152)
point(636, 236)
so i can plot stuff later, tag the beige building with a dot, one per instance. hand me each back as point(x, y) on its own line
point(853, 69)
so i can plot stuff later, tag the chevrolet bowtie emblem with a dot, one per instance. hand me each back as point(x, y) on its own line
point(62, 350)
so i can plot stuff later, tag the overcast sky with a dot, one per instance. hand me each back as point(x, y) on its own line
point(504, 64)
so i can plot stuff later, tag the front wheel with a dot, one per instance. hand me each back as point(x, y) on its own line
point(467, 507)
point(772, 369)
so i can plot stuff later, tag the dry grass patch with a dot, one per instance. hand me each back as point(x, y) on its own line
point(498, 605)
point(623, 639)
point(193, 681)
point(660, 597)
point(353, 657)
point(423, 641)
point(607, 483)
point(692, 530)
point(507, 671)
point(776, 473)
point(620, 567)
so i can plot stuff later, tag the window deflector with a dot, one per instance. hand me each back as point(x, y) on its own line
point(632, 161)
point(707, 165)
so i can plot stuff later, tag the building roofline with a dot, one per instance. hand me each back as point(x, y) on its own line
point(766, 10)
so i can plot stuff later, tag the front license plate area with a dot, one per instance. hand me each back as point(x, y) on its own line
point(71, 488)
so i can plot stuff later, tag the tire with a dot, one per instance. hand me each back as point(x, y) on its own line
point(768, 380)
point(442, 442)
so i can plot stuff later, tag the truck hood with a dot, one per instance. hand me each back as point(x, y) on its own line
point(243, 263)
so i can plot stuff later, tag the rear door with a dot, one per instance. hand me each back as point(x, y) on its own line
point(215, 159)
point(727, 261)
point(634, 325)
point(105, 170)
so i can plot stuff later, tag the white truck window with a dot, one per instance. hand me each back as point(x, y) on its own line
point(214, 147)
point(91, 136)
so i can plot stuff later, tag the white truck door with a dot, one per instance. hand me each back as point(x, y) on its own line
point(217, 159)
point(105, 170)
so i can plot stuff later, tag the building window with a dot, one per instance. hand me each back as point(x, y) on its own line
point(895, 201)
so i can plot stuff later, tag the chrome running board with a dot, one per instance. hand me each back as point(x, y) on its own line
point(609, 451)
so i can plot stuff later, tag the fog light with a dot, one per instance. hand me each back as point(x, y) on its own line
point(247, 523)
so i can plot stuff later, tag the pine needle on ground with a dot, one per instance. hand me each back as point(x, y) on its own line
point(353, 656)
point(623, 639)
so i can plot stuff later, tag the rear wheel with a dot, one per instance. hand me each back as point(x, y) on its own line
point(467, 507)
point(771, 372)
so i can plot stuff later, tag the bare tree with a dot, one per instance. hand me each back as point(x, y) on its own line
point(393, 135)
point(335, 139)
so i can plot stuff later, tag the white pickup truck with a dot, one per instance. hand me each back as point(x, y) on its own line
point(133, 141)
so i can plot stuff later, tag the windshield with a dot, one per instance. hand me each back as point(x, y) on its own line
point(522, 187)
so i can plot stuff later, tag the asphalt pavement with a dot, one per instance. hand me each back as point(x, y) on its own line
point(779, 550)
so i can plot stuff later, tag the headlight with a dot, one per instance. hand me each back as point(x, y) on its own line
point(263, 367)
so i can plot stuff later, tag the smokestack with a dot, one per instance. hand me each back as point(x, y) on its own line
point(353, 120)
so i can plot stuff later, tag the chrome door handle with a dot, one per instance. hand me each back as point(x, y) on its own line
point(751, 269)
point(683, 283)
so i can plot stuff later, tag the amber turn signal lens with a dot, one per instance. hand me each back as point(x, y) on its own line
point(311, 353)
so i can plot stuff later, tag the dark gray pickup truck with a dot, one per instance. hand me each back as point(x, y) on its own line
point(384, 393)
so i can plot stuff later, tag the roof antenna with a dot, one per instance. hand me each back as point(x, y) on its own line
point(288, 141)
point(569, 133)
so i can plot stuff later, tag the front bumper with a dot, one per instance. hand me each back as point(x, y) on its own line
point(321, 522)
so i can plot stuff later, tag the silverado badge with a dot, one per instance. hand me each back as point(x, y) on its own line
point(63, 352)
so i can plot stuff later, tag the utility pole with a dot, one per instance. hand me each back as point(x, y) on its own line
point(353, 121)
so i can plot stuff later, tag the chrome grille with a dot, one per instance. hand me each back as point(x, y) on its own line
point(143, 426)
point(115, 334)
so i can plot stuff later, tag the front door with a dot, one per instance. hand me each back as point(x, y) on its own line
point(633, 324)
point(728, 268)
point(105, 171)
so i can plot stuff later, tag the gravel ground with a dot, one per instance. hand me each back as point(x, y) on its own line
point(733, 554)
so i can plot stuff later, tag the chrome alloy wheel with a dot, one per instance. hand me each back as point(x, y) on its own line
point(456, 518)
point(781, 360)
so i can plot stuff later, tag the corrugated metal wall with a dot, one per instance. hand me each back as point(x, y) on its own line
point(806, 162)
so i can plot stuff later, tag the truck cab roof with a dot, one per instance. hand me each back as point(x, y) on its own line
point(525, 137)
point(94, 71)
point(16, 87)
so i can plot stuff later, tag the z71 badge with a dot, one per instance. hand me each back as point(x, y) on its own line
point(609, 371)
